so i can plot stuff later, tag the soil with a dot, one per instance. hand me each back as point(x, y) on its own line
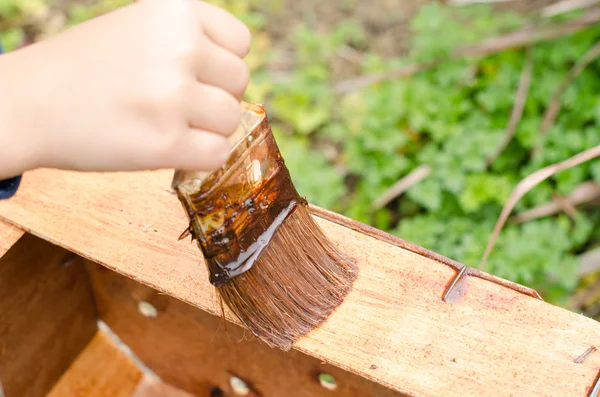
point(385, 21)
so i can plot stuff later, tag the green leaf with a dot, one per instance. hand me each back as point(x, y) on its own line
point(595, 170)
point(12, 39)
point(308, 120)
point(428, 193)
point(311, 174)
point(483, 188)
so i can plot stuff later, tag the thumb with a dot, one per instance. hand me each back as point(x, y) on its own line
point(201, 150)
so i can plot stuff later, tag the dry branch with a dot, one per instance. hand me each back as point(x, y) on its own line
point(582, 193)
point(562, 7)
point(529, 183)
point(590, 262)
point(517, 110)
point(515, 39)
point(554, 107)
point(411, 179)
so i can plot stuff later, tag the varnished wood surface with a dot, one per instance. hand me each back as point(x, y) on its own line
point(491, 341)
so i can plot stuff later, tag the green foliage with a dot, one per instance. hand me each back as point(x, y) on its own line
point(17, 11)
point(316, 179)
point(82, 12)
point(19, 8)
point(12, 39)
point(452, 118)
point(438, 30)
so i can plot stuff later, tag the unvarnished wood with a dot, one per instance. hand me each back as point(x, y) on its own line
point(152, 387)
point(492, 341)
point(47, 315)
point(9, 235)
point(199, 353)
point(101, 370)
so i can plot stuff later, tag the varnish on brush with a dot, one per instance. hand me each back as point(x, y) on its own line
point(271, 263)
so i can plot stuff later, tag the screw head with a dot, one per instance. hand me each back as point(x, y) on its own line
point(327, 381)
point(147, 310)
point(239, 387)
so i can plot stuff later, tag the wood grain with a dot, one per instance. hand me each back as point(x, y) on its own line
point(9, 235)
point(492, 341)
point(101, 370)
point(198, 352)
point(47, 315)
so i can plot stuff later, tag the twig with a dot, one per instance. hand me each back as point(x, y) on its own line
point(562, 7)
point(565, 205)
point(554, 107)
point(350, 85)
point(529, 183)
point(590, 262)
point(515, 39)
point(583, 193)
point(583, 297)
point(592, 312)
point(408, 181)
point(517, 110)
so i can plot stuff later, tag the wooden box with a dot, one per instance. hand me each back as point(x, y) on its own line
point(99, 298)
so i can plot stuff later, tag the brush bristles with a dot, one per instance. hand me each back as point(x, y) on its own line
point(300, 279)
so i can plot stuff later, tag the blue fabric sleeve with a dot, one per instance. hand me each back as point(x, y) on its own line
point(8, 187)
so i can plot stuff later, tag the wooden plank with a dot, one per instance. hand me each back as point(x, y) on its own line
point(101, 370)
point(152, 387)
point(9, 235)
point(47, 315)
point(191, 349)
point(491, 341)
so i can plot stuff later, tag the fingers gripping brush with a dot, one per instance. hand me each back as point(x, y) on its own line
point(271, 263)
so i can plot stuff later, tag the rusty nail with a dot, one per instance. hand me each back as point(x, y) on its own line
point(585, 354)
point(457, 279)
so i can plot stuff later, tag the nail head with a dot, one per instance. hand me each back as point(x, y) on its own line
point(147, 310)
point(239, 387)
point(327, 381)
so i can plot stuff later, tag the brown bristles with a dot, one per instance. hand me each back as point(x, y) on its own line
point(298, 281)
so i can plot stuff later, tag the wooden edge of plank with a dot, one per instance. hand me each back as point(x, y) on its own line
point(9, 235)
point(401, 243)
point(100, 370)
point(103, 369)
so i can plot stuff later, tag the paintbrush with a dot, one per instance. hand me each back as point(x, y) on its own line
point(272, 265)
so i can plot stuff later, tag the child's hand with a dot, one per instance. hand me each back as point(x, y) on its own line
point(156, 84)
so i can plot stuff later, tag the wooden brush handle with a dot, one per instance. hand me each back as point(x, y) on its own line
point(234, 211)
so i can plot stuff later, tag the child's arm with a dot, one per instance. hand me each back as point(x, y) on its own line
point(156, 84)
